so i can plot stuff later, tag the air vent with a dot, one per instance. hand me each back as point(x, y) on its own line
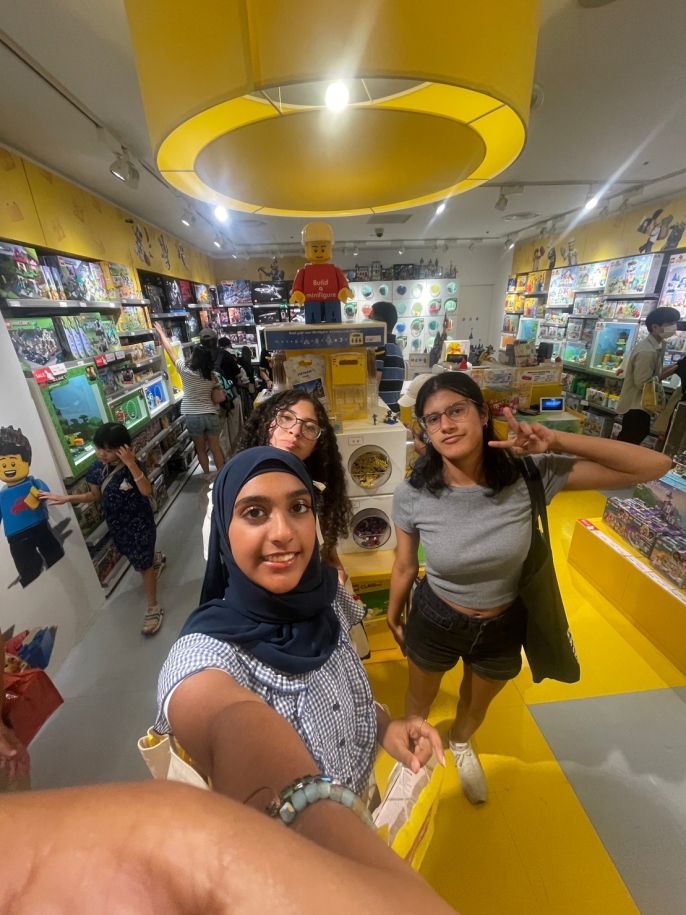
point(389, 219)
point(517, 217)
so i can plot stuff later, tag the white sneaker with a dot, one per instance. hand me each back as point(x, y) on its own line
point(472, 777)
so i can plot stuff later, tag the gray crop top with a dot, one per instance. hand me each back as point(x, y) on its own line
point(475, 544)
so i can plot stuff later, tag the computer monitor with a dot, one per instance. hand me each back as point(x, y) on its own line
point(552, 404)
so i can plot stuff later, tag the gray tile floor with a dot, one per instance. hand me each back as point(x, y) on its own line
point(109, 680)
point(625, 757)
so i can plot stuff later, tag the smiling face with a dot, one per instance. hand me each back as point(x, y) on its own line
point(13, 469)
point(293, 439)
point(272, 531)
point(456, 440)
point(318, 252)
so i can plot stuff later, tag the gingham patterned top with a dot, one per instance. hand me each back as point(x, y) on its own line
point(332, 708)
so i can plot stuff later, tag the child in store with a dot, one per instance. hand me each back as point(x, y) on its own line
point(118, 481)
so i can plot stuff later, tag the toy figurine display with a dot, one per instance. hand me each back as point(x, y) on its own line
point(320, 286)
point(32, 543)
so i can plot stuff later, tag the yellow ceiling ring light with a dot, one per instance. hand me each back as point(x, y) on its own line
point(246, 126)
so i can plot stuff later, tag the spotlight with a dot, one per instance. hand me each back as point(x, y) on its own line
point(502, 201)
point(188, 217)
point(220, 213)
point(217, 241)
point(234, 256)
point(124, 170)
point(401, 250)
point(509, 242)
point(440, 209)
point(356, 251)
point(337, 96)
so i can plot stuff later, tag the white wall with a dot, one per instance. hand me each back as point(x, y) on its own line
point(68, 594)
point(480, 275)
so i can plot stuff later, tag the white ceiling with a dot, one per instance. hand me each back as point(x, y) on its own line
point(612, 78)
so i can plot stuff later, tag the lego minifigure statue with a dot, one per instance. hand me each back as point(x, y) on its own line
point(320, 285)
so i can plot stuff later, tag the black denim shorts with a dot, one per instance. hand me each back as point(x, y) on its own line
point(437, 636)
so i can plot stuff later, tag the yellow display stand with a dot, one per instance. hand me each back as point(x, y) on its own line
point(625, 577)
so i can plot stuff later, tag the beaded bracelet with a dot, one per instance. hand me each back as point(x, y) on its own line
point(310, 789)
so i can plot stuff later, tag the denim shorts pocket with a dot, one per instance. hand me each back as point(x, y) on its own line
point(420, 604)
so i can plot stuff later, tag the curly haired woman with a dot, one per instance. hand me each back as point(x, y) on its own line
point(295, 421)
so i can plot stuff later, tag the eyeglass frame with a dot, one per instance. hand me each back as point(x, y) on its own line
point(422, 420)
point(296, 420)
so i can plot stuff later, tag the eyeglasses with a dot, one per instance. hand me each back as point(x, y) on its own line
point(286, 419)
point(456, 413)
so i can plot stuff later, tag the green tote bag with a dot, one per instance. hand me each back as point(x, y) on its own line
point(548, 643)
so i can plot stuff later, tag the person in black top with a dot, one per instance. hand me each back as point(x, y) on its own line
point(245, 362)
point(266, 368)
point(224, 362)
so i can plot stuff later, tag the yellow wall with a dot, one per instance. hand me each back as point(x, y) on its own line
point(39, 208)
point(602, 239)
point(247, 268)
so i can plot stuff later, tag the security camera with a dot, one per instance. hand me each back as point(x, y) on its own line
point(378, 231)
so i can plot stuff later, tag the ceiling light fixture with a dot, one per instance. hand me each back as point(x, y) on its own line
point(217, 241)
point(220, 213)
point(401, 250)
point(470, 246)
point(337, 96)
point(188, 217)
point(440, 209)
point(355, 251)
point(592, 200)
point(502, 201)
point(509, 242)
point(124, 170)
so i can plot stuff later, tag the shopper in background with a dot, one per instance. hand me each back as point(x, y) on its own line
point(469, 506)
point(246, 388)
point(224, 362)
point(245, 361)
point(296, 422)
point(390, 365)
point(645, 362)
point(264, 686)
point(265, 369)
point(172, 849)
point(119, 483)
point(202, 394)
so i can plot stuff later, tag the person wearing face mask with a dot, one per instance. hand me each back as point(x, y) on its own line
point(645, 362)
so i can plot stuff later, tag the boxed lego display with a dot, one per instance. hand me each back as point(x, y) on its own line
point(667, 496)
point(592, 276)
point(119, 281)
point(669, 557)
point(35, 341)
point(21, 275)
point(562, 287)
point(633, 275)
point(674, 286)
point(80, 280)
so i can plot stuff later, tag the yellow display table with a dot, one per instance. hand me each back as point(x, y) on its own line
point(370, 574)
point(625, 577)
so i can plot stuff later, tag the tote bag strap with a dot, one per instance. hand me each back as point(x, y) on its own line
point(534, 483)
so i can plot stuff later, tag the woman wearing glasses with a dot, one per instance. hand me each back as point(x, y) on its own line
point(296, 422)
point(468, 504)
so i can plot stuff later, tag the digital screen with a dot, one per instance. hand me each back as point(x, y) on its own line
point(552, 403)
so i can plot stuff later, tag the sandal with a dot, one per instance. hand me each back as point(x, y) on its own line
point(152, 621)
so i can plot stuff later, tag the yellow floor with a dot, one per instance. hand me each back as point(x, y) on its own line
point(532, 849)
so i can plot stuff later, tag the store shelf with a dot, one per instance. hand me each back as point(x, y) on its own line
point(168, 315)
point(126, 393)
point(147, 448)
point(144, 362)
point(630, 295)
point(52, 304)
point(134, 301)
point(594, 406)
point(535, 295)
point(97, 535)
point(137, 334)
point(175, 489)
point(178, 445)
point(570, 366)
point(196, 307)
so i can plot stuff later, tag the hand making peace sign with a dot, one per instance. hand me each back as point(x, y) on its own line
point(526, 438)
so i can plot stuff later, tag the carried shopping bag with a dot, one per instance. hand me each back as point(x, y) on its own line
point(406, 815)
point(548, 643)
point(653, 397)
point(30, 699)
point(166, 760)
point(662, 422)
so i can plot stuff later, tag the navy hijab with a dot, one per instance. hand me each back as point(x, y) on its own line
point(294, 632)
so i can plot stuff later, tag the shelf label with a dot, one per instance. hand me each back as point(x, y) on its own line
point(100, 361)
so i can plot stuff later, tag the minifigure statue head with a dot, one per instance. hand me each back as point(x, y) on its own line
point(15, 456)
point(317, 240)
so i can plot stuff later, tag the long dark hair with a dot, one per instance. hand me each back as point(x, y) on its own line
point(499, 468)
point(202, 361)
point(324, 464)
